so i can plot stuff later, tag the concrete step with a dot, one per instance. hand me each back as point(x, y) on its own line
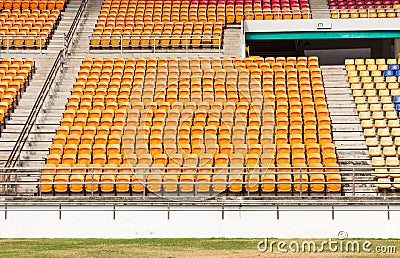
point(40, 139)
point(347, 133)
point(41, 131)
point(232, 41)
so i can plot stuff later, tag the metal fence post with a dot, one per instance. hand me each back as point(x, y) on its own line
point(187, 42)
point(92, 183)
point(353, 184)
point(196, 182)
point(248, 181)
point(144, 182)
point(219, 44)
point(5, 211)
point(90, 43)
point(40, 182)
point(301, 182)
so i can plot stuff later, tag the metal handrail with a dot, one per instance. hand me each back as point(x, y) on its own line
point(23, 136)
point(75, 23)
point(247, 176)
point(172, 171)
point(371, 168)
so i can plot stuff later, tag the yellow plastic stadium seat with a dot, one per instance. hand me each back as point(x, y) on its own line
point(384, 183)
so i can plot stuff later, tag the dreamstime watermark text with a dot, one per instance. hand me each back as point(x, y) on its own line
point(333, 245)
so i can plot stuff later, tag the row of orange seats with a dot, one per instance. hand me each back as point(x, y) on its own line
point(33, 5)
point(160, 35)
point(122, 18)
point(27, 28)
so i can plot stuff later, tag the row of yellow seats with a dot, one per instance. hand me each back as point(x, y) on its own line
point(373, 79)
point(369, 67)
point(385, 161)
point(346, 14)
point(392, 173)
point(384, 99)
point(377, 86)
point(388, 151)
point(371, 61)
point(379, 123)
point(383, 141)
point(387, 183)
point(375, 93)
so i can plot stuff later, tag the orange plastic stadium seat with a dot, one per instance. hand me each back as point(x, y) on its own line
point(47, 177)
point(61, 178)
point(78, 172)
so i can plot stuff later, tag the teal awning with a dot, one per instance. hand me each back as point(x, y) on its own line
point(322, 35)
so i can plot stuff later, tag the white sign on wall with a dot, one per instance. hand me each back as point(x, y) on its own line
point(324, 25)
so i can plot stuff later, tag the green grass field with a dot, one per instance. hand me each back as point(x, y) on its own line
point(218, 247)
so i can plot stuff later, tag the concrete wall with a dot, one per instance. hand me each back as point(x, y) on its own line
point(295, 221)
point(397, 47)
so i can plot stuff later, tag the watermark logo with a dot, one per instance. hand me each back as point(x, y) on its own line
point(342, 235)
point(339, 245)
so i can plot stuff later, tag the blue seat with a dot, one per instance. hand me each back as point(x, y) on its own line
point(394, 67)
point(398, 107)
point(388, 73)
point(396, 99)
point(398, 73)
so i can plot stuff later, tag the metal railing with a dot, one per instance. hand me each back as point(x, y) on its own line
point(156, 43)
point(221, 206)
point(8, 42)
point(23, 136)
point(299, 180)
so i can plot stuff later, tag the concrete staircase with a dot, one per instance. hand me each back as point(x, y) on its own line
point(347, 132)
point(43, 65)
point(67, 17)
point(36, 150)
point(320, 9)
point(232, 43)
point(19, 117)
